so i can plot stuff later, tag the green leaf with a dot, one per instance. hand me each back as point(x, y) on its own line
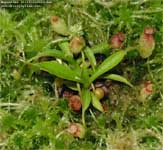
point(86, 100)
point(118, 78)
point(53, 53)
point(70, 85)
point(85, 76)
point(108, 64)
point(59, 70)
point(96, 103)
point(90, 55)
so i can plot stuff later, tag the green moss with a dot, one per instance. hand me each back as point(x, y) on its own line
point(31, 118)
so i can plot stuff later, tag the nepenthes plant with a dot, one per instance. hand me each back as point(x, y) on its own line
point(76, 49)
point(77, 63)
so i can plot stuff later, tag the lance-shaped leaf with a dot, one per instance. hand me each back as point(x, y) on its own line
point(118, 78)
point(53, 53)
point(86, 100)
point(90, 55)
point(85, 76)
point(108, 64)
point(96, 103)
point(59, 70)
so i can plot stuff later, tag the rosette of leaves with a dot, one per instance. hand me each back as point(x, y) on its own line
point(83, 71)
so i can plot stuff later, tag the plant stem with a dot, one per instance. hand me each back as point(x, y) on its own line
point(142, 17)
point(93, 116)
point(79, 89)
point(9, 104)
point(140, 2)
point(83, 118)
point(149, 11)
point(57, 41)
point(108, 5)
point(56, 91)
point(3, 144)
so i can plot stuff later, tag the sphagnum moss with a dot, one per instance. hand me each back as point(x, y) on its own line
point(31, 117)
